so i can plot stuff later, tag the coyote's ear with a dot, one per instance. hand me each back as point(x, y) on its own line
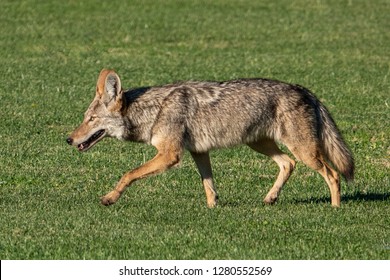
point(112, 86)
point(109, 87)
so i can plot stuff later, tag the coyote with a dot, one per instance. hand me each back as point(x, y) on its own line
point(201, 116)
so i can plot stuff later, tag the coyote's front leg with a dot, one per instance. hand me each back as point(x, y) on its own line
point(202, 161)
point(165, 159)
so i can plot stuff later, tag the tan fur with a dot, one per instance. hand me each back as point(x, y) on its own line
point(102, 81)
point(200, 116)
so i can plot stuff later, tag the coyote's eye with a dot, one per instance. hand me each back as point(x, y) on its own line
point(92, 118)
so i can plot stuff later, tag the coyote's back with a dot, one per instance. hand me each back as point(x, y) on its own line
point(200, 116)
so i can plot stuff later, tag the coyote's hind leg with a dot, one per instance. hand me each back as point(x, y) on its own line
point(269, 148)
point(312, 156)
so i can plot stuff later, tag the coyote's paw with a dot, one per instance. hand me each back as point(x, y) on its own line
point(110, 198)
point(211, 204)
point(270, 198)
point(212, 201)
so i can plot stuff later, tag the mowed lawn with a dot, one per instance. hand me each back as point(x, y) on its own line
point(51, 53)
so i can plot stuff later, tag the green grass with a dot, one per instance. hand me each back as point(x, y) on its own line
point(50, 55)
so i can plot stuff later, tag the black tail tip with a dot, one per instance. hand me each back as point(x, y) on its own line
point(349, 175)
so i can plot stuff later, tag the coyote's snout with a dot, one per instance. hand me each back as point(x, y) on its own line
point(201, 116)
point(89, 142)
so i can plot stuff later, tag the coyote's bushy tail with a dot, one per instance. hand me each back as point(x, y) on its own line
point(334, 146)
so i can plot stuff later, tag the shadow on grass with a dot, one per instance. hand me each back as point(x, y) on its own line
point(358, 196)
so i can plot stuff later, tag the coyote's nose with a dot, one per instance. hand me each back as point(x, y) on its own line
point(69, 141)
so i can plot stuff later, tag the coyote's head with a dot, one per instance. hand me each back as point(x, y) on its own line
point(104, 116)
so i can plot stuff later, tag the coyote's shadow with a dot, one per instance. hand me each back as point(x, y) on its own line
point(358, 196)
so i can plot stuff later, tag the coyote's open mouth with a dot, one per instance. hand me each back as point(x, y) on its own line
point(91, 140)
